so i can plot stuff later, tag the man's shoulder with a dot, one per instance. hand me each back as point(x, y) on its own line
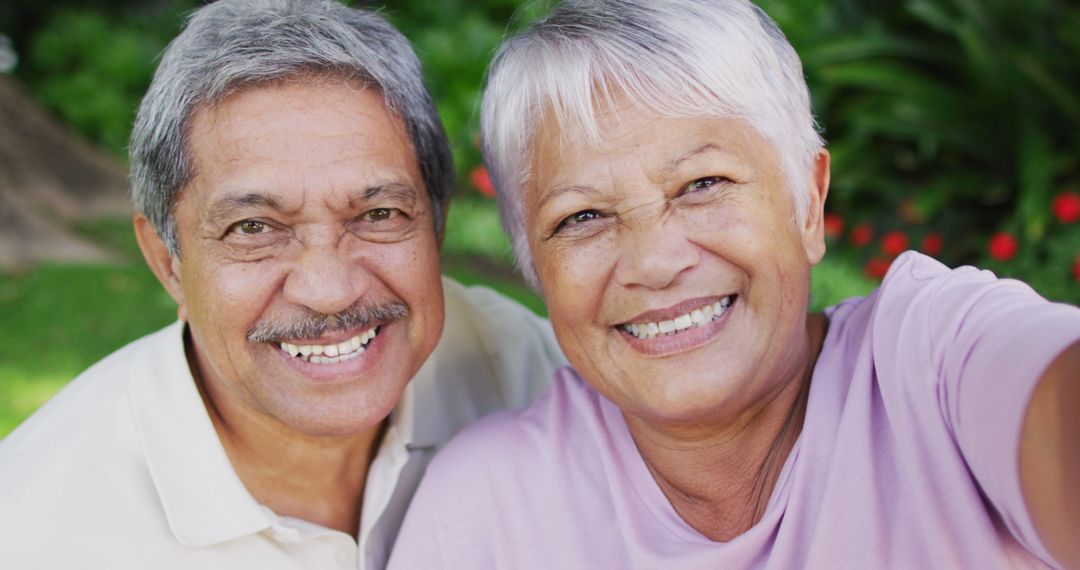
point(82, 418)
point(77, 461)
point(493, 344)
point(492, 315)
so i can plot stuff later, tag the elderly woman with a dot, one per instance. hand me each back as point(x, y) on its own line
point(660, 175)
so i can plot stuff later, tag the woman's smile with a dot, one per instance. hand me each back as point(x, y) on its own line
point(680, 328)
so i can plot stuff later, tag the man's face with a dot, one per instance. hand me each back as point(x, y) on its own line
point(308, 269)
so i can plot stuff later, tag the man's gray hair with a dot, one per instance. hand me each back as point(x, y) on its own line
point(675, 58)
point(231, 45)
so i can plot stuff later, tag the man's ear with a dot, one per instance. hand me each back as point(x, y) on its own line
point(813, 229)
point(165, 267)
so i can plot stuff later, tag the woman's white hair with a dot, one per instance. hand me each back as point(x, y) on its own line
point(675, 58)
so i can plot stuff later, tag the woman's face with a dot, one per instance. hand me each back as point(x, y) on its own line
point(674, 271)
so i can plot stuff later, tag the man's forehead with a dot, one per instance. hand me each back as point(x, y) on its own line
point(229, 202)
point(259, 136)
point(254, 108)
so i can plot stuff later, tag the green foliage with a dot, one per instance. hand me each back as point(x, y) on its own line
point(951, 117)
point(92, 67)
point(454, 40)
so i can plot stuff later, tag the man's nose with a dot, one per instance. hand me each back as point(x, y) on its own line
point(326, 279)
point(654, 253)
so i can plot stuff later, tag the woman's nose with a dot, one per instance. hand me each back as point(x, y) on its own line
point(654, 254)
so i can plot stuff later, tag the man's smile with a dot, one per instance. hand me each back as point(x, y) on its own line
point(332, 353)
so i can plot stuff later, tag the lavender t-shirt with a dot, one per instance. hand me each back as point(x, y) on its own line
point(907, 459)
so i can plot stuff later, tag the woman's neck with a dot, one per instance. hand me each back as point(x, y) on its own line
point(719, 477)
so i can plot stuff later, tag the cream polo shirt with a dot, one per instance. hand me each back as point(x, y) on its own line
point(123, 469)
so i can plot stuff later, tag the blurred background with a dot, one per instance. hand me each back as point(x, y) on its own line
point(954, 127)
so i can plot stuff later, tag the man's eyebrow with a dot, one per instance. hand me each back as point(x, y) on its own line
point(226, 207)
point(390, 190)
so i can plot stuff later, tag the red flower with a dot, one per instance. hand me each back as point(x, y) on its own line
point(931, 244)
point(1067, 207)
point(894, 243)
point(834, 225)
point(861, 234)
point(876, 268)
point(1003, 246)
point(482, 182)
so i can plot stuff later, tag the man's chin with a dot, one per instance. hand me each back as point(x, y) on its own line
point(340, 414)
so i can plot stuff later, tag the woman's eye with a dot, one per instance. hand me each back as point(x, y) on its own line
point(705, 183)
point(251, 227)
point(578, 218)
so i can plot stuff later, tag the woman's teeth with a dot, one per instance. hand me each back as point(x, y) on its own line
point(331, 353)
point(696, 318)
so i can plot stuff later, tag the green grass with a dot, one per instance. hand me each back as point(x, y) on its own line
point(58, 319)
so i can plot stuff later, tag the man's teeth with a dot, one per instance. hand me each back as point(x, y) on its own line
point(331, 353)
point(696, 318)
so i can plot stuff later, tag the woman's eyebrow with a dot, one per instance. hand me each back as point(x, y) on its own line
point(574, 188)
point(670, 168)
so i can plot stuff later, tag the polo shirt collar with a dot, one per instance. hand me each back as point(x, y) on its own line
point(202, 496)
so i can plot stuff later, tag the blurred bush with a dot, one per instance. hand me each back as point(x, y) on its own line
point(954, 127)
point(90, 62)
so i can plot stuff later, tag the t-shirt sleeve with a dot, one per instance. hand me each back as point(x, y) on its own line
point(989, 341)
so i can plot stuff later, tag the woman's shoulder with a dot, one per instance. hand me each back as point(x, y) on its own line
point(524, 460)
point(918, 288)
point(509, 479)
point(526, 439)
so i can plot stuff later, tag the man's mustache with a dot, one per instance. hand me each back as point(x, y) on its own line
point(311, 324)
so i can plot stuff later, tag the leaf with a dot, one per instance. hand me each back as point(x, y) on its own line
point(1036, 177)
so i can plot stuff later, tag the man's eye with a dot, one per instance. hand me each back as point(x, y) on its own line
point(381, 214)
point(251, 227)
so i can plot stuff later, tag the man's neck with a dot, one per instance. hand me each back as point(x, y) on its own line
point(316, 479)
point(319, 479)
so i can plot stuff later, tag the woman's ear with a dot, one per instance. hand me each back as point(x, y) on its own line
point(814, 227)
point(165, 266)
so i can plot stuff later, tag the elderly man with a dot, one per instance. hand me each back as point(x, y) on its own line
point(291, 179)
